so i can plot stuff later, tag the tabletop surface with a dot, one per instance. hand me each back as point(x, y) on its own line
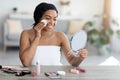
point(92, 73)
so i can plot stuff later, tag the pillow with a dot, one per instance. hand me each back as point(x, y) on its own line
point(75, 26)
point(14, 26)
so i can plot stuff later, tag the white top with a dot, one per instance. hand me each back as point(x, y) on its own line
point(47, 55)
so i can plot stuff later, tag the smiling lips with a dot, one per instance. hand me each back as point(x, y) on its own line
point(50, 27)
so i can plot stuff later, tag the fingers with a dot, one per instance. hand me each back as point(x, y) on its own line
point(38, 30)
point(44, 22)
point(40, 25)
point(83, 53)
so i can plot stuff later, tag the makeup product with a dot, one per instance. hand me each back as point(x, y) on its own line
point(53, 75)
point(4, 67)
point(44, 22)
point(61, 73)
point(37, 67)
point(22, 73)
point(80, 69)
point(74, 71)
point(36, 70)
point(9, 71)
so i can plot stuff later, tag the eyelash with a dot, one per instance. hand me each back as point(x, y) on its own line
point(49, 19)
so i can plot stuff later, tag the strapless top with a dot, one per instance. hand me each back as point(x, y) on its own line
point(47, 55)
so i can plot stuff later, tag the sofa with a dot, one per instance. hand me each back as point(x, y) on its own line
point(13, 27)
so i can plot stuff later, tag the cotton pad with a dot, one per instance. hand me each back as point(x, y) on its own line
point(44, 21)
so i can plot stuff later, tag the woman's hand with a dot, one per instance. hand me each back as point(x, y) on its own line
point(83, 53)
point(38, 28)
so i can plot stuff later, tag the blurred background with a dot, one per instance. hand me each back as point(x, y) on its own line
point(99, 18)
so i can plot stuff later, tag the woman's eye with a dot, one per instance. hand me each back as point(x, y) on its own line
point(48, 18)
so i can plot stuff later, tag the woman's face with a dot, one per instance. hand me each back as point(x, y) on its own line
point(50, 16)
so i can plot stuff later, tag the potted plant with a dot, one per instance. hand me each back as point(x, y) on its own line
point(99, 37)
point(116, 38)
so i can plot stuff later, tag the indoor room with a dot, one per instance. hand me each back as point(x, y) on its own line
point(59, 39)
point(100, 19)
point(73, 16)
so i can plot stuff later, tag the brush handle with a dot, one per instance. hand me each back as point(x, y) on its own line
point(80, 69)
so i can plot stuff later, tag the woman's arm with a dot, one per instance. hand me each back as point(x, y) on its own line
point(73, 59)
point(27, 48)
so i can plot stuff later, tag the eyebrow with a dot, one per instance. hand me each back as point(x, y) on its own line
point(50, 16)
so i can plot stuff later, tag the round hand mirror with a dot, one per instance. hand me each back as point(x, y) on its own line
point(79, 40)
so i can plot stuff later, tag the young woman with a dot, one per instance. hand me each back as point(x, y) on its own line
point(42, 43)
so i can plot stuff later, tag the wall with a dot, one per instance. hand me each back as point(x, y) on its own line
point(115, 13)
point(84, 9)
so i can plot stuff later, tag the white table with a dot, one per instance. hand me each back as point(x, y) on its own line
point(92, 73)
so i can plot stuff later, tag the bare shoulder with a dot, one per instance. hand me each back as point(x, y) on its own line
point(27, 32)
point(61, 35)
point(64, 41)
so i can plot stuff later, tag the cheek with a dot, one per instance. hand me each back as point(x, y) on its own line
point(55, 23)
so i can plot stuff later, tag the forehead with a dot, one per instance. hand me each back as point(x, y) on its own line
point(52, 13)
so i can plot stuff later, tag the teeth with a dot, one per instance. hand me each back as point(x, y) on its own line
point(50, 26)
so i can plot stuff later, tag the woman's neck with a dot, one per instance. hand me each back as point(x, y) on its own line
point(47, 33)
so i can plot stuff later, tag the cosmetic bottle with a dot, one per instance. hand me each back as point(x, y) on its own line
point(37, 68)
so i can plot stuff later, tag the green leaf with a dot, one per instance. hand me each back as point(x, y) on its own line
point(89, 23)
point(115, 22)
point(118, 32)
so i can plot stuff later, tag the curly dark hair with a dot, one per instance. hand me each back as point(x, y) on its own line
point(41, 9)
